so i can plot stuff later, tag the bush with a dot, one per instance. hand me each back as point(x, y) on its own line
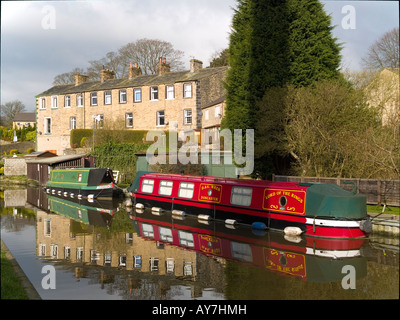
point(2, 170)
point(30, 150)
point(30, 136)
point(77, 135)
point(13, 151)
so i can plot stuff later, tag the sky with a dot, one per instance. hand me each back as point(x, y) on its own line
point(41, 39)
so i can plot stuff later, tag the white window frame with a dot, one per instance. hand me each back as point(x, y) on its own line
point(241, 196)
point(47, 125)
point(129, 117)
point(72, 123)
point(137, 261)
point(165, 188)
point(67, 101)
point(147, 185)
point(169, 92)
point(122, 96)
point(147, 230)
point(54, 102)
point(79, 100)
point(42, 103)
point(154, 93)
point(107, 97)
point(137, 95)
point(160, 117)
point(93, 98)
point(187, 90)
point(187, 115)
point(186, 190)
point(186, 239)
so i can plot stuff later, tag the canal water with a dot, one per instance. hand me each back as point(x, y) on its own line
point(74, 249)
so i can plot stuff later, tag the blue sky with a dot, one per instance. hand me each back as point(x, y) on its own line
point(40, 39)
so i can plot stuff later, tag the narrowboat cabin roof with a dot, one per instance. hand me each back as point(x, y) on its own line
point(229, 181)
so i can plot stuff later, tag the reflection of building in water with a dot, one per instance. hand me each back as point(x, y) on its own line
point(61, 238)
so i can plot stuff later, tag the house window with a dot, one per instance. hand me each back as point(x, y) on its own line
point(147, 185)
point(241, 196)
point(138, 261)
point(154, 93)
point(187, 116)
point(137, 95)
point(107, 97)
point(47, 227)
point(218, 112)
point(54, 102)
point(129, 120)
point(93, 99)
point(42, 103)
point(165, 188)
point(47, 125)
point(187, 90)
point(99, 121)
point(79, 100)
point(67, 101)
point(122, 96)
point(186, 190)
point(107, 259)
point(79, 254)
point(160, 118)
point(169, 92)
point(72, 123)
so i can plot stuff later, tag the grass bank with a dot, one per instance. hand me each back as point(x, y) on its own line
point(388, 209)
point(11, 285)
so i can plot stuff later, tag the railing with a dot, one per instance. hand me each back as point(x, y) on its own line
point(377, 191)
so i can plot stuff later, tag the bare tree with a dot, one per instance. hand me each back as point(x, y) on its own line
point(112, 61)
point(67, 77)
point(146, 53)
point(9, 110)
point(384, 53)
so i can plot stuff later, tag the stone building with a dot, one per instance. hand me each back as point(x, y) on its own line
point(24, 120)
point(139, 102)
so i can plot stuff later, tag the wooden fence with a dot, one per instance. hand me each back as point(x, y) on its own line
point(377, 191)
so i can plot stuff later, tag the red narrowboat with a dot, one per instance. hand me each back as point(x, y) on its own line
point(314, 209)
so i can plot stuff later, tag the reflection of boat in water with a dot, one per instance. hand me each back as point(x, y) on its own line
point(321, 210)
point(97, 212)
point(309, 258)
point(83, 182)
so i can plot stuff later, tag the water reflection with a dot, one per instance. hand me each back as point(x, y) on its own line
point(142, 255)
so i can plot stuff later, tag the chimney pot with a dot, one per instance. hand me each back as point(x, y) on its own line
point(195, 65)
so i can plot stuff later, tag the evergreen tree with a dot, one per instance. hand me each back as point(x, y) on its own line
point(272, 44)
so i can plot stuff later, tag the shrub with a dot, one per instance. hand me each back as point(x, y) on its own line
point(2, 170)
point(13, 151)
point(30, 136)
point(30, 150)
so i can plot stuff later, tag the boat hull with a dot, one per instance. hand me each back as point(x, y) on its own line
point(108, 192)
point(311, 226)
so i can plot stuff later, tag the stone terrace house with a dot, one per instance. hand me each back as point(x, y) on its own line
point(139, 102)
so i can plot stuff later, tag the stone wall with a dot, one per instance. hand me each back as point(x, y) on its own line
point(14, 166)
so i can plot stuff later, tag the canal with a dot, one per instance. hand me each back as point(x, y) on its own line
point(74, 249)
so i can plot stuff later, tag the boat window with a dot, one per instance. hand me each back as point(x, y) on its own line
point(165, 188)
point(241, 196)
point(186, 239)
point(186, 190)
point(147, 230)
point(79, 177)
point(147, 185)
point(165, 234)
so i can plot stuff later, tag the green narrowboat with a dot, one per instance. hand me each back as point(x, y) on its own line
point(83, 182)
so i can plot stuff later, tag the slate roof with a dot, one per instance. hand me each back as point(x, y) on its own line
point(25, 117)
point(143, 80)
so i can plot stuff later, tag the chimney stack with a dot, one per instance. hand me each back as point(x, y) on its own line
point(163, 66)
point(106, 74)
point(134, 71)
point(79, 78)
point(195, 65)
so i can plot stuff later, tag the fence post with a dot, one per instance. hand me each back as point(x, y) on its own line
point(378, 191)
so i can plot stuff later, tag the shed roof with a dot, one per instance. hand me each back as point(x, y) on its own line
point(58, 159)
